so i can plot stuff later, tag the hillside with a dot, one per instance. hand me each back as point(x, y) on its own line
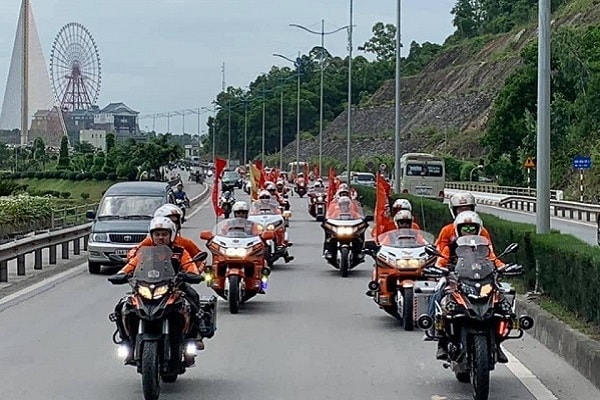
point(451, 100)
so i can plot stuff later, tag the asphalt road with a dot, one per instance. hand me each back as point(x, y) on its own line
point(314, 335)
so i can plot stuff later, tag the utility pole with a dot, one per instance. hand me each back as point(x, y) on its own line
point(543, 120)
point(349, 122)
point(25, 77)
point(397, 133)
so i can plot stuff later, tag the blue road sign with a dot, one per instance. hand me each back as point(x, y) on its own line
point(582, 162)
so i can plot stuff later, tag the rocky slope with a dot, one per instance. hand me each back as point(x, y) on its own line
point(450, 101)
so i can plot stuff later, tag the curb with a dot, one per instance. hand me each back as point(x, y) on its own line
point(579, 350)
point(201, 196)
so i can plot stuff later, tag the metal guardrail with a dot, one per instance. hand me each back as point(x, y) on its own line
point(565, 209)
point(508, 190)
point(18, 249)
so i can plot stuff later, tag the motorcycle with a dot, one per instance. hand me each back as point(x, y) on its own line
point(300, 187)
point(238, 270)
point(182, 204)
point(157, 319)
point(226, 203)
point(268, 220)
point(398, 284)
point(346, 231)
point(317, 206)
point(477, 314)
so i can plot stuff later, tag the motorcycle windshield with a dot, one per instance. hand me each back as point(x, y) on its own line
point(346, 210)
point(264, 207)
point(472, 258)
point(155, 264)
point(405, 238)
point(236, 228)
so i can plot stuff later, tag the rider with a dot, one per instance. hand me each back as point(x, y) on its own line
point(466, 223)
point(174, 213)
point(459, 202)
point(342, 204)
point(272, 189)
point(404, 220)
point(240, 209)
point(164, 232)
point(180, 194)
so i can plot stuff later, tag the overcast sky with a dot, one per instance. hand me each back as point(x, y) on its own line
point(166, 55)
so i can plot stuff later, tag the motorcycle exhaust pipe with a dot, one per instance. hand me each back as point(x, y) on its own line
point(526, 322)
point(425, 322)
point(373, 285)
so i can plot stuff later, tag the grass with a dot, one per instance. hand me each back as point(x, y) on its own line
point(559, 311)
point(76, 188)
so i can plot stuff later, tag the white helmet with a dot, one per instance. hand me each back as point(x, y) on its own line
point(402, 204)
point(163, 223)
point(468, 218)
point(240, 206)
point(169, 210)
point(263, 194)
point(318, 184)
point(403, 216)
point(461, 200)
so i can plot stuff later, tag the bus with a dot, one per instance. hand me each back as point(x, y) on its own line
point(423, 175)
point(293, 170)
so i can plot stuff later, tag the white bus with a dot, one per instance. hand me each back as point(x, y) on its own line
point(423, 174)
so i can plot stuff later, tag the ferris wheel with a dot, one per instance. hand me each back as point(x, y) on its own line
point(75, 68)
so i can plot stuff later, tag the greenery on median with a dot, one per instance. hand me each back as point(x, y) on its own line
point(569, 269)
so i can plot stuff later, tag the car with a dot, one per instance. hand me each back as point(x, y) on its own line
point(363, 178)
point(122, 219)
point(230, 180)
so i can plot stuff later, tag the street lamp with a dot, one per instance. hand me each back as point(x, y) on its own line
point(397, 150)
point(473, 170)
point(321, 59)
point(297, 64)
point(349, 122)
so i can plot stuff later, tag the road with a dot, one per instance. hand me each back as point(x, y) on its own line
point(314, 335)
point(586, 231)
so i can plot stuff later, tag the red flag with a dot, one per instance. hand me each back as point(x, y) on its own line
point(381, 217)
point(333, 184)
point(219, 166)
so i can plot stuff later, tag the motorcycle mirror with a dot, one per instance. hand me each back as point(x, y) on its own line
point(206, 235)
point(369, 218)
point(511, 248)
point(200, 257)
point(371, 246)
point(432, 251)
point(268, 235)
point(118, 279)
point(117, 259)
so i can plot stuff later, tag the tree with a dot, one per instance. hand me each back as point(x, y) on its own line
point(39, 152)
point(64, 160)
point(110, 142)
point(383, 42)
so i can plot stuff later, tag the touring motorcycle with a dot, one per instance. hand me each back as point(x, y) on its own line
point(267, 218)
point(157, 318)
point(398, 285)
point(345, 233)
point(238, 270)
point(317, 205)
point(226, 203)
point(478, 312)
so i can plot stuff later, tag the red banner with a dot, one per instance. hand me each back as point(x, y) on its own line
point(381, 202)
point(333, 184)
point(219, 166)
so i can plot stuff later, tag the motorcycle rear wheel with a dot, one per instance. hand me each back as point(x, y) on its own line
point(150, 367)
point(480, 368)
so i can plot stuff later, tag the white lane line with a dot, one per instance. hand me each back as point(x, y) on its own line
point(41, 286)
point(201, 205)
point(528, 379)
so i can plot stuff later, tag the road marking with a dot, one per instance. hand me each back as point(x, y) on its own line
point(40, 287)
point(201, 205)
point(528, 379)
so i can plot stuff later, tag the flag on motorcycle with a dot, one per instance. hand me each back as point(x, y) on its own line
point(333, 184)
point(219, 166)
point(381, 204)
point(255, 180)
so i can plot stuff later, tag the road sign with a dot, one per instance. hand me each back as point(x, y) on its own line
point(582, 162)
point(529, 163)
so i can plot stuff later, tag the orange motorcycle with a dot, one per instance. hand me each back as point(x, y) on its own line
point(399, 286)
point(238, 270)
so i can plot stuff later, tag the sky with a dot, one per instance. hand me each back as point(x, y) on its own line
point(167, 55)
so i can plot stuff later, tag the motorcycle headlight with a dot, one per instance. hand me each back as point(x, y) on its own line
point(320, 198)
point(260, 228)
point(160, 291)
point(145, 292)
point(236, 252)
point(345, 230)
point(287, 214)
point(413, 263)
point(476, 292)
point(270, 227)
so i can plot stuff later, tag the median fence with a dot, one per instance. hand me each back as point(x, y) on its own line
point(75, 236)
point(562, 266)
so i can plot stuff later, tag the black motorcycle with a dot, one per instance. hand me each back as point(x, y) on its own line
point(156, 321)
point(477, 313)
point(227, 201)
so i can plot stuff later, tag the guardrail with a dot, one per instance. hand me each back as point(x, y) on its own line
point(18, 249)
point(564, 209)
point(508, 190)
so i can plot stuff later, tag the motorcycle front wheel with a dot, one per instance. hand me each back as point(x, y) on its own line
point(408, 308)
point(233, 297)
point(480, 368)
point(150, 367)
point(344, 261)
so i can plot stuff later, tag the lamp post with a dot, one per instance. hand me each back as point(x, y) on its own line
point(297, 64)
point(245, 131)
point(397, 137)
point(321, 62)
point(473, 170)
point(349, 122)
point(281, 130)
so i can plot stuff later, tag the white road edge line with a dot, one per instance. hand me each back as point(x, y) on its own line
point(200, 207)
point(528, 379)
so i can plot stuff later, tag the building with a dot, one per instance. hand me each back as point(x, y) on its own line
point(47, 124)
point(95, 137)
point(78, 120)
point(117, 118)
